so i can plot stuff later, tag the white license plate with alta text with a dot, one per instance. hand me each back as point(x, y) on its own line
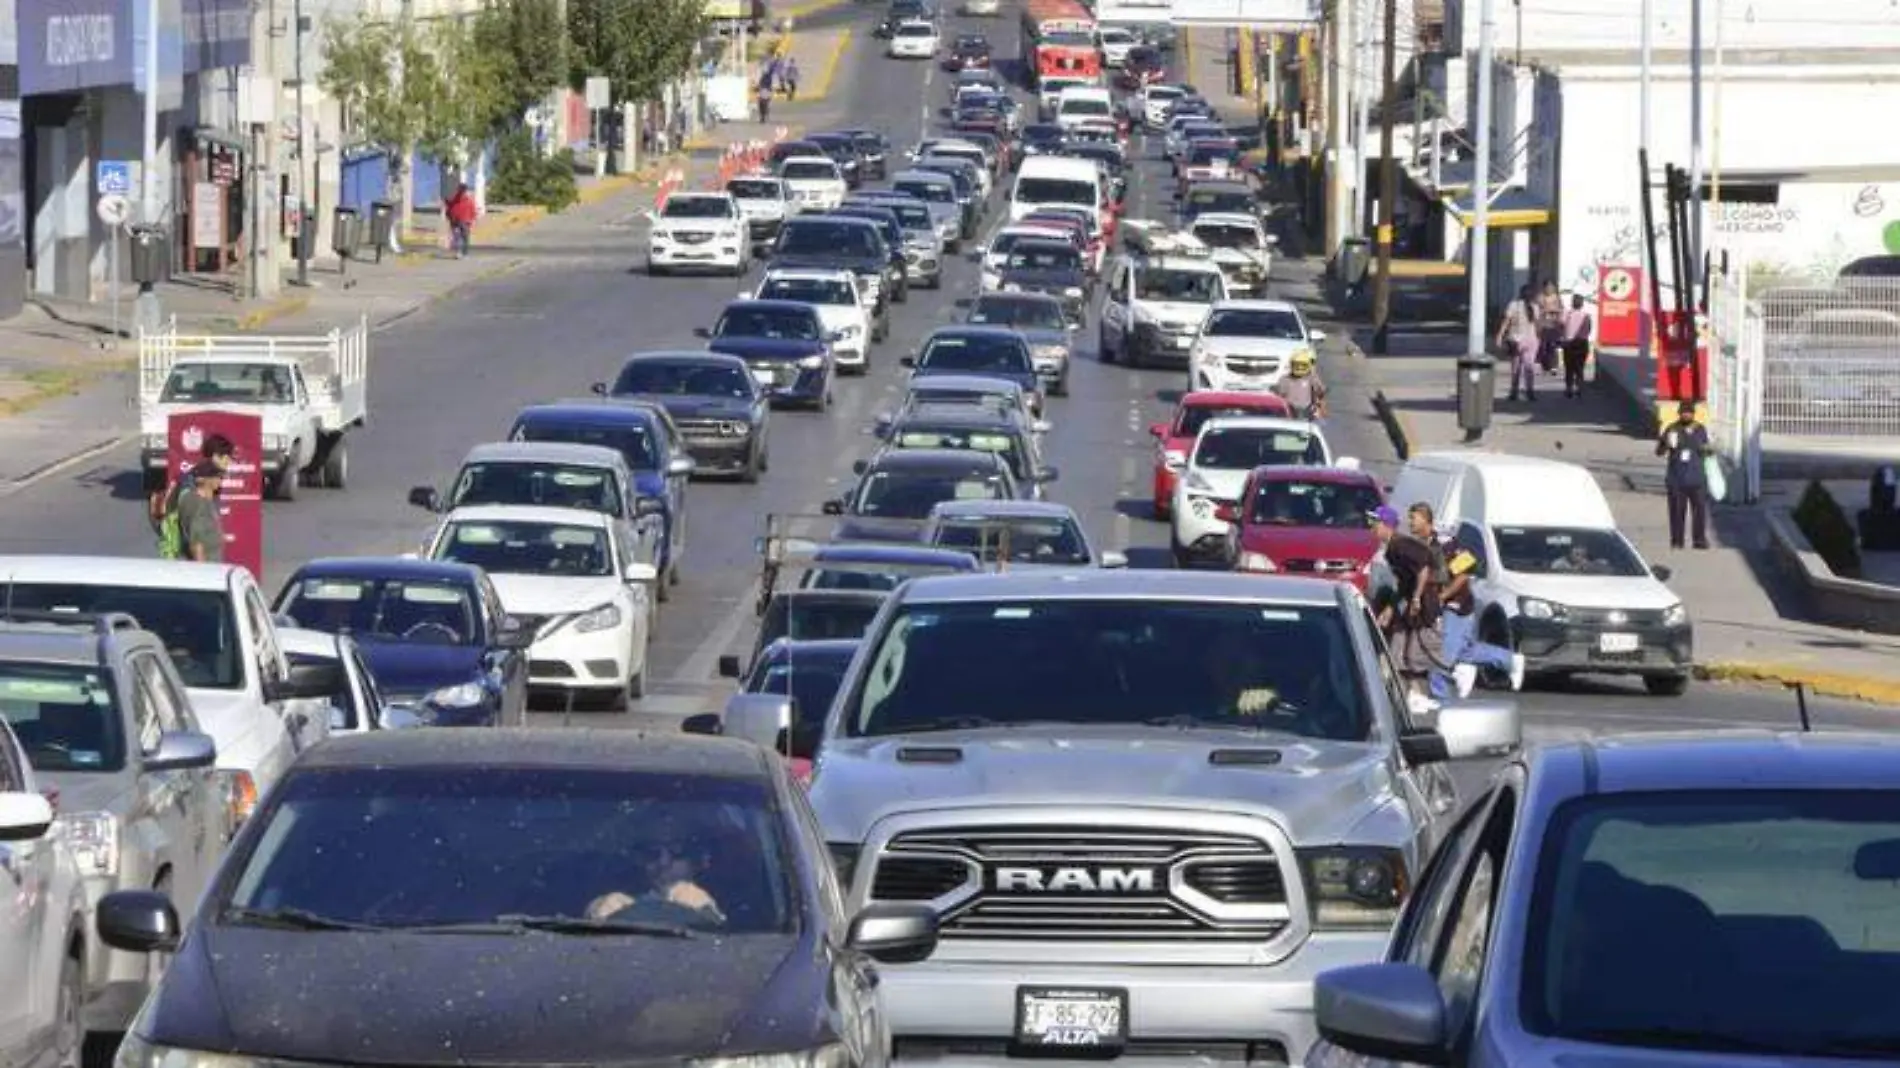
point(1617, 644)
point(1055, 1017)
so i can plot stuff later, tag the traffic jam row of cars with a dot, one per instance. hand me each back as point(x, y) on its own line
point(986, 794)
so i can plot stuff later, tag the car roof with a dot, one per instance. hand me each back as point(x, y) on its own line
point(1257, 305)
point(1145, 585)
point(926, 459)
point(390, 567)
point(529, 513)
point(634, 752)
point(833, 649)
point(544, 452)
point(750, 304)
point(959, 510)
point(1722, 760)
point(600, 411)
point(853, 552)
point(1344, 476)
point(134, 571)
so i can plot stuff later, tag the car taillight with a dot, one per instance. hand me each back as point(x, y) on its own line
point(240, 797)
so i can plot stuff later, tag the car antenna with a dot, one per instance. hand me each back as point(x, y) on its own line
point(1801, 706)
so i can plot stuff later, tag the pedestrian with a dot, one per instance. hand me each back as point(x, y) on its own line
point(1576, 345)
point(790, 77)
point(163, 504)
point(765, 98)
point(1301, 388)
point(1684, 445)
point(1409, 615)
point(1517, 336)
point(1550, 327)
point(200, 524)
point(460, 211)
point(1462, 650)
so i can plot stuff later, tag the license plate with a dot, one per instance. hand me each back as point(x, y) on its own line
point(764, 376)
point(1066, 1018)
point(1183, 341)
point(1616, 644)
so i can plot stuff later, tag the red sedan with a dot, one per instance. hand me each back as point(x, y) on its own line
point(1176, 436)
point(1306, 521)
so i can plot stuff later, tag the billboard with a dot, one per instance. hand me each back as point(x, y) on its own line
point(241, 501)
point(1284, 15)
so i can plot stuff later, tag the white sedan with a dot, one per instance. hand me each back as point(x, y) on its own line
point(841, 309)
point(700, 231)
point(1225, 452)
point(916, 39)
point(1245, 346)
point(814, 182)
point(563, 574)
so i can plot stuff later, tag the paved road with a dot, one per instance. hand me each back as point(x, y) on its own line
point(452, 376)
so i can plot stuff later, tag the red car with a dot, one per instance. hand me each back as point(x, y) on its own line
point(1305, 521)
point(1176, 436)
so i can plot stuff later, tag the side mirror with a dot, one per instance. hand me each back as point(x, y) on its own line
point(640, 572)
point(138, 921)
point(24, 817)
point(858, 467)
point(1226, 513)
point(513, 634)
point(964, 302)
point(907, 361)
point(894, 934)
point(1157, 430)
point(400, 718)
point(426, 498)
point(703, 723)
point(730, 666)
point(1273, 239)
point(1046, 475)
point(681, 465)
point(307, 682)
point(1316, 335)
point(1663, 572)
point(1347, 463)
point(181, 751)
point(757, 717)
point(1041, 426)
point(1114, 561)
point(1465, 730)
point(599, 389)
point(1391, 1012)
point(833, 508)
point(702, 331)
point(648, 506)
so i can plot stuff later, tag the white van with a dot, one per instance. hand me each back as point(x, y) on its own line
point(1058, 182)
point(1557, 581)
point(1084, 103)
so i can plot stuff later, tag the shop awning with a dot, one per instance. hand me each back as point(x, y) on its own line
point(1509, 209)
point(212, 136)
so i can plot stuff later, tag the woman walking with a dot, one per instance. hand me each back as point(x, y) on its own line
point(1550, 327)
point(1517, 336)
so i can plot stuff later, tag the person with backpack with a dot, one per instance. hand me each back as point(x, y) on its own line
point(162, 506)
point(1409, 608)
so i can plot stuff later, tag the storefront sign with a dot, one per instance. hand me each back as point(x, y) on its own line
point(69, 45)
point(1619, 306)
point(241, 501)
point(207, 215)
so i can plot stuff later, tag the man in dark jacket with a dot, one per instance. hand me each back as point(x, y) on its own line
point(1684, 444)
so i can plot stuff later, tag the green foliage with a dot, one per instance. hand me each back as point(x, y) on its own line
point(640, 45)
point(470, 105)
point(1828, 529)
point(525, 176)
point(525, 50)
point(386, 77)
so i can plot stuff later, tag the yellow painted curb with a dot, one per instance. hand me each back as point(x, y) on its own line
point(1869, 688)
point(830, 72)
point(1185, 76)
point(272, 312)
point(1245, 58)
point(810, 7)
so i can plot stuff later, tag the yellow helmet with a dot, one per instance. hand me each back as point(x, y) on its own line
point(1302, 359)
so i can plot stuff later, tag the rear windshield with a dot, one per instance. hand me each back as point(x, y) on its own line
point(1056, 191)
point(809, 170)
point(934, 192)
point(820, 237)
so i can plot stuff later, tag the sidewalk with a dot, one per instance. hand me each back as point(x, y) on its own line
point(66, 394)
point(1742, 607)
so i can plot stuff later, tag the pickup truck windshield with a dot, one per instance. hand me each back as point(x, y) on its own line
point(589, 489)
point(516, 548)
point(197, 626)
point(977, 355)
point(66, 716)
point(229, 383)
point(1247, 667)
point(666, 379)
point(628, 439)
point(384, 610)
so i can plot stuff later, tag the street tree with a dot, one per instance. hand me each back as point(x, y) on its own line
point(387, 78)
point(475, 98)
point(525, 47)
point(640, 45)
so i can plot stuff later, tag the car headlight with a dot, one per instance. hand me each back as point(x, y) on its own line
point(156, 442)
point(831, 1056)
point(94, 840)
point(1355, 888)
point(1255, 562)
point(812, 363)
point(1535, 608)
point(468, 694)
point(1050, 352)
point(1174, 459)
point(850, 331)
point(605, 617)
point(733, 430)
point(1675, 615)
point(276, 442)
point(1194, 481)
point(1073, 291)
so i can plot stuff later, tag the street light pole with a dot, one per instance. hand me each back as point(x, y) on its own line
point(1477, 317)
point(1644, 318)
point(305, 238)
point(1388, 183)
point(1695, 147)
point(151, 211)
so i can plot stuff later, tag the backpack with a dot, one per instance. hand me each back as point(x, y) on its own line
point(171, 530)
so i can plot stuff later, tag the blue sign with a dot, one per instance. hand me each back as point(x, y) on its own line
point(69, 45)
point(114, 177)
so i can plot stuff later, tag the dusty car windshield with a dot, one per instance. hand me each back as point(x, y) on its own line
point(630, 440)
point(197, 626)
point(228, 383)
point(1248, 322)
point(1566, 551)
point(697, 208)
point(1774, 910)
point(66, 716)
point(590, 489)
point(1293, 503)
point(685, 379)
point(911, 495)
point(390, 610)
point(1252, 667)
point(421, 847)
point(516, 548)
point(1245, 448)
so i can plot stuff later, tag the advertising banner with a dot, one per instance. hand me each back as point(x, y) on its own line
point(1620, 299)
point(1286, 16)
point(241, 502)
point(69, 45)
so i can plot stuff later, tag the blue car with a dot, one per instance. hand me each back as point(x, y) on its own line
point(989, 351)
point(640, 432)
point(878, 566)
point(433, 634)
point(785, 345)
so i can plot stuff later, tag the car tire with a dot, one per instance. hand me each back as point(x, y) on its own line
point(285, 486)
point(636, 688)
point(1666, 685)
point(1102, 350)
point(750, 476)
point(336, 466)
point(654, 270)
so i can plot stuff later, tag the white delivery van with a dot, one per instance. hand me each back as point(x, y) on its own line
point(1557, 581)
point(1058, 182)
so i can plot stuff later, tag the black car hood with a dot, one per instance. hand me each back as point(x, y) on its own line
point(833, 262)
point(765, 348)
point(455, 1000)
point(1040, 280)
point(701, 407)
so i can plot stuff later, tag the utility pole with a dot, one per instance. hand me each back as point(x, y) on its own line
point(1645, 318)
point(1361, 81)
point(1695, 144)
point(405, 26)
point(1388, 182)
point(151, 209)
point(1339, 195)
point(306, 233)
point(1479, 244)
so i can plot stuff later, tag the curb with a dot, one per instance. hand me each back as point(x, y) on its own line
point(810, 7)
point(272, 312)
point(825, 77)
point(1865, 688)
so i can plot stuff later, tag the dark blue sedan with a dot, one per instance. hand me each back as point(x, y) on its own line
point(783, 342)
point(433, 634)
point(989, 351)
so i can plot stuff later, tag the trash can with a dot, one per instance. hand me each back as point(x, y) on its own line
point(346, 232)
point(1477, 386)
point(151, 254)
point(382, 223)
point(1354, 261)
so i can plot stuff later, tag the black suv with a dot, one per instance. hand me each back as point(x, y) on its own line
point(839, 243)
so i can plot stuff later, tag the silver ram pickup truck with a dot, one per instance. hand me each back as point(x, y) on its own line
point(1149, 807)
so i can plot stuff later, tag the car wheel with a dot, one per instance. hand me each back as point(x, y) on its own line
point(636, 686)
point(336, 466)
point(654, 270)
point(288, 481)
point(752, 468)
point(1666, 685)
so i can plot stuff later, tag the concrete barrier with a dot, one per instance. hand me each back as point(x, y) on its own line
point(1832, 599)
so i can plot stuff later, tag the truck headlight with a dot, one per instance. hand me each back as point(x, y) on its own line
point(1355, 887)
point(155, 443)
point(1534, 608)
point(276, 442)
point(605, 617)
point(94, 840)
point(467, 695)
point(1675, 615)
point(1255, 562)
point(812, 363)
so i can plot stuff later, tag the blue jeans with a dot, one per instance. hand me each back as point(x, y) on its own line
point(1461, 646)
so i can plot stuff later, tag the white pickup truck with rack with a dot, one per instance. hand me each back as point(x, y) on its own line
point(308, 390)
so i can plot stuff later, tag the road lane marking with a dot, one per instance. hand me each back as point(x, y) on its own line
point(703, 664)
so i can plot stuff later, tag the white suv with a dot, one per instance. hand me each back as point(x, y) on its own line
point(1245, 346)
point(916, 39)
point(1154, 307)
point(764, 202)
point(815, 182)
point(701, 231)
point(1225, 452)
point(841, 308)
point(42, 923)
